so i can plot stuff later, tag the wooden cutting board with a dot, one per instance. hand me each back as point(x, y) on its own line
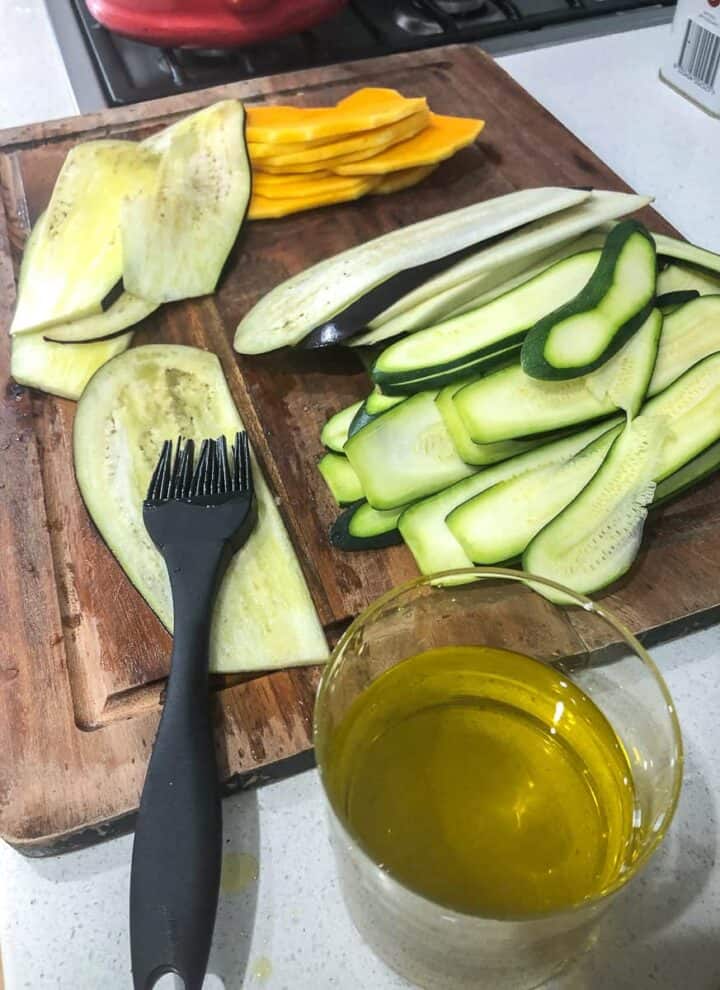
point(82, 659)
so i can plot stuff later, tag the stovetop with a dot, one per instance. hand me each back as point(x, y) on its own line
point(122, 71)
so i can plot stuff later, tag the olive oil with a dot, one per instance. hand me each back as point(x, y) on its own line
point(486, 781)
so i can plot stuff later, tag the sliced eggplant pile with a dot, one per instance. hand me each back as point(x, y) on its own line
point(126, 311)
point(264, 617)
point(560, 471)
point(177, 234)
point(491, 270)
point(129, 225)
point(77, 254)
point(319, 294)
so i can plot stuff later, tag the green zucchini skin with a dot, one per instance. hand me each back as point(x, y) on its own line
point(668, 302)
point(535, 357)
point(441, 353)
point(375, 405)
point(360, 527)
point(361, 418)
point(439, 379)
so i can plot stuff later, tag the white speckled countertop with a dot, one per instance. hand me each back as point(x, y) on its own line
point(63, 920)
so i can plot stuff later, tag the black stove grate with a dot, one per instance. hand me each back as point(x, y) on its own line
point(131, 71)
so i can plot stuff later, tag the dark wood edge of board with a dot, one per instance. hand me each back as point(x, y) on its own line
point(93, 835)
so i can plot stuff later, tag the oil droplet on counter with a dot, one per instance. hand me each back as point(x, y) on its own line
point(262, 969)
point(239, 870)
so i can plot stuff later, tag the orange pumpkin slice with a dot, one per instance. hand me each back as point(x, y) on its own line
point(403, 179)
point(301, 186)
point(361, 111)
point(372, 142)
point(264, 208)
point(439, 140)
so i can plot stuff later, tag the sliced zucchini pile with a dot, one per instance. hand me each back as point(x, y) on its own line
point(482, 462)
point(264, 616)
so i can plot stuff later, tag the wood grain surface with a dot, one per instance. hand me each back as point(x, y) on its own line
point(83, 658)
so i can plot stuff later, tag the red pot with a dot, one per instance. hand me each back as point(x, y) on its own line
point(210, 23)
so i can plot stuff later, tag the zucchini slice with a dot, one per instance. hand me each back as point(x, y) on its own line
point(77, 258)
point(689, 334)
point(424, 527)
point(508, 405)
point(478, 454)
point(177, 235)
point(595, 540)
point(485, 272)
point(671, 247)
point(335, 432)
point(584, 333)
point(691, 408)
point(405, 453)
point(340, 478)
point(126, 311)
point(375, 405)
point(625, 379)
point(498, 524)
point(500, 324)
point(264, 617)
point(680, 278)
point(691, 474)
point(437, 378)
point(363, 528)
point(314, 296)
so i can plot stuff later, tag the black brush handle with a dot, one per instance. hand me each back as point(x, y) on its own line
point(175, 873)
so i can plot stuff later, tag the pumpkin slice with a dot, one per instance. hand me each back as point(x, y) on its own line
point(361, 111)
point(369, 142)
point(403, 179)
point(439, 140)
point(263, 208)
point(301, 186)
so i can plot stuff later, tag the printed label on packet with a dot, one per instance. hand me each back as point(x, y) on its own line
point(693, 61)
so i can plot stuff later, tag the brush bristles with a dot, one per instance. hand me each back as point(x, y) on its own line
point(214, 474)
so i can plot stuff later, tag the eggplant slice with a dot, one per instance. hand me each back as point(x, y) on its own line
point(176, 237)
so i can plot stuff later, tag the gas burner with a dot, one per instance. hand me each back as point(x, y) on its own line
point(129, 71)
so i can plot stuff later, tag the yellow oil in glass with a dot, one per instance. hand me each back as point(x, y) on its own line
point(486, 781)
